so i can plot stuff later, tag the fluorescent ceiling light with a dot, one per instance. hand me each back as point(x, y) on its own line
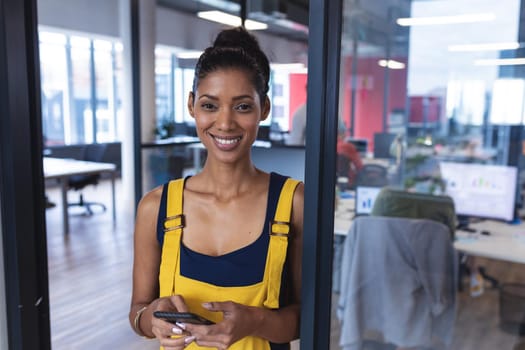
point(484, 47)
point(455, 19)
point(189, 54)
point(392, 64)
point(500, 62)
point(287, 66)
point(231, 20)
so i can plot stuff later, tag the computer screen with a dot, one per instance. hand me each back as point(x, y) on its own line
point(365, 197)
point(481, 190)
point(382, 143)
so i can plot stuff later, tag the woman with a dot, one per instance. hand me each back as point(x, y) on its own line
point(226, 252)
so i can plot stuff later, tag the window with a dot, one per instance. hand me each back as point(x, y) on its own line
point(80, 76)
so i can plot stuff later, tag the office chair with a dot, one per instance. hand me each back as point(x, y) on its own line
point(397, 284)
point(395, 202)
point(94, 153)
point(372, 175)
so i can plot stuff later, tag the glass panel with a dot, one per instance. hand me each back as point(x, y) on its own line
point(432, 92)
point(164, 93)
point(54, 87)
point(67, 99)
point(105, 91)
point(81, 119)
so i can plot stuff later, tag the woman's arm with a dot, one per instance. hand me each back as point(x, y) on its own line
point(146, 262)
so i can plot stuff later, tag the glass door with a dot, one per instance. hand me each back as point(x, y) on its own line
point(425, 86)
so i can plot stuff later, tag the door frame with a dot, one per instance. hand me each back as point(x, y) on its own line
point(21, 179)
point(324, 56)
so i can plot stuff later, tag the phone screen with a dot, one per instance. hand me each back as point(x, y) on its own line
point(184, 317)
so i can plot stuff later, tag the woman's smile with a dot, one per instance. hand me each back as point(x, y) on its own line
point(226, 143)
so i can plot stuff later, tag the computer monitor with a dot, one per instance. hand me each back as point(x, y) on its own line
point(481, 190)
point(365, 197)
point(382, 144)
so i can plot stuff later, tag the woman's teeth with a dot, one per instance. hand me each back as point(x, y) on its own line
point(227, 141)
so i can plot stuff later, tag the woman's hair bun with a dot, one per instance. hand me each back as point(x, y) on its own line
point(237, 37)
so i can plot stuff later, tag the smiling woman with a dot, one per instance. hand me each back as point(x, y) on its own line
point(231, 250)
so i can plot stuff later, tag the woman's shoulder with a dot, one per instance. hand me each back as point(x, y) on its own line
point(151, 200)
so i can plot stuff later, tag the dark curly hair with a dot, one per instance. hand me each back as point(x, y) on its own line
point(235, 48)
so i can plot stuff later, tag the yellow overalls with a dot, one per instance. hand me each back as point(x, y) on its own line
point(195, 292)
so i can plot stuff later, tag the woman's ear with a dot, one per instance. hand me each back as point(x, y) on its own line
point(265, 108)
point(191, 100)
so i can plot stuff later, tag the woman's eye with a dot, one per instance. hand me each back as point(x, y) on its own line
point(244, 107)
point(208, 106)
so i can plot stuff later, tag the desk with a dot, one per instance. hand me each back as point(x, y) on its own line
point(180, 140)
point(62, 168)
point(505, 242)
point(344, 214)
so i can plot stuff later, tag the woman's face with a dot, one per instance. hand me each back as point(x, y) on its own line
point(227, 110)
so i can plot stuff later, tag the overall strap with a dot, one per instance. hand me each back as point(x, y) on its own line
point(173, 225)
point(279, 230)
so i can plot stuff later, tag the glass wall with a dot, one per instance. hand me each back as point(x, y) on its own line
point(431, 128)
point(80, 88)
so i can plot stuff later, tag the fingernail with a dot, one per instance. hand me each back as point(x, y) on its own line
point(176, 330)
point(206, 305)
point(188, 340)
point(180, 325)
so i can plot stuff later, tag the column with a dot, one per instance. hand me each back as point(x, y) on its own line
point(137, 28)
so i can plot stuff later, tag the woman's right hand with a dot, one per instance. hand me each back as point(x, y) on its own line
point(170, 336)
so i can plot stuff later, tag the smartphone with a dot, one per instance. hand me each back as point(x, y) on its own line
point(183, 317)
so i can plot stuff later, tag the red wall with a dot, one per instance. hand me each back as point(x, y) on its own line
point(418, 105)
point(369, 95)
point(298, 82)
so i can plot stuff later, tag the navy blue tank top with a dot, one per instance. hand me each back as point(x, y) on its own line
point(241, 267)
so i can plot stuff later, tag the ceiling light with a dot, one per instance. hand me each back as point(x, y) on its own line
point(500, 62)
point(188, 54)
point(392, 64)
point(484, 47)
point(231, 20)
point(455, 19)
point(287, 66)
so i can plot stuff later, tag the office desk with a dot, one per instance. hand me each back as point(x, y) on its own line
point(505, 242)
point(344, 214)
point(180, 140)
point(62, 168)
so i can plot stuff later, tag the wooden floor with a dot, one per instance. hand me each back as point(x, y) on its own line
point(90, 286)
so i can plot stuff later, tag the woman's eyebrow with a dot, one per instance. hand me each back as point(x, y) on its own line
point(241, 97)
point(208, 96)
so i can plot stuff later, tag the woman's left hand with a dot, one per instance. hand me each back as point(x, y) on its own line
point(238, 322)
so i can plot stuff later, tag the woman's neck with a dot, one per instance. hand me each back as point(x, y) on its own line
point(227, 180)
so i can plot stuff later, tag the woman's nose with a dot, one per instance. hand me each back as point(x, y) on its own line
point(225, 119)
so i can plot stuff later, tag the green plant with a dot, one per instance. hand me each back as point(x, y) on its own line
point(165, 128)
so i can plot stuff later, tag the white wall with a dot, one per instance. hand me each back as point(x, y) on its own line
point(173, 28)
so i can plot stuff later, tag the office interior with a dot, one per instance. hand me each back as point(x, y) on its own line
point(430, 93)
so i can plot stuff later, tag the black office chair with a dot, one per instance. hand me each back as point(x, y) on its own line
point(372, 175)
point(95, 153)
